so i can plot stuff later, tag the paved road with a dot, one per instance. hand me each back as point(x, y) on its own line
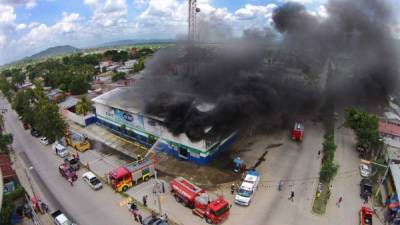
point(85, 206)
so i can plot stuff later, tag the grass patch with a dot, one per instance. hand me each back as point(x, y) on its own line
point(319, 206)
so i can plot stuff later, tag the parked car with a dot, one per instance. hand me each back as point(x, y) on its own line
point(60, 150)
point(365, 188)
point(92, 180)
point(35, 132)
point(364, 170)
point(72, 162)
point(44, 140)
point(150, 220)
point(61, 219)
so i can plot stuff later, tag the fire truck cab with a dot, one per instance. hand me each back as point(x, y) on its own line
point(121, 179)
point(298, 131)
point(192, 196)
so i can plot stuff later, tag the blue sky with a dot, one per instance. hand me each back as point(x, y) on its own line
point(29, 26)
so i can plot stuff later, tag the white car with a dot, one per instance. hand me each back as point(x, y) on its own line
point(44, 140)
point(92, 180)
point(248, 188)
point(364, 170)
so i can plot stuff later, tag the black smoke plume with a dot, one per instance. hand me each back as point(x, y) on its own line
point(267, 77)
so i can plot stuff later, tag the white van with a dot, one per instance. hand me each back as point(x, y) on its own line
point(60, 150)
point(248, 188)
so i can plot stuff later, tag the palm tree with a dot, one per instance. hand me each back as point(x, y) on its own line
point(83, 106)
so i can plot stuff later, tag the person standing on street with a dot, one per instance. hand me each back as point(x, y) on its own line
point(140, 219)
point(339, 201)
point(145, 200)
point(135, 215)
point(162, 187)
point(291, 198)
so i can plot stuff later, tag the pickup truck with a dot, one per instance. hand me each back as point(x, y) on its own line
point(248, 188)
point(67, 172)
point(60, 219)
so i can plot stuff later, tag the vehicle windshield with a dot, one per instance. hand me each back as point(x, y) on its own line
point(368, 219)
point(67, 223)
point(221, 211)
point(245, 193)
point(73, 161)
point(94, 181)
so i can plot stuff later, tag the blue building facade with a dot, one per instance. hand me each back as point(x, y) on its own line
point(125, 120)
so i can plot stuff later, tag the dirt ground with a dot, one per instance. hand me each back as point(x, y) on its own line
point(220, 171)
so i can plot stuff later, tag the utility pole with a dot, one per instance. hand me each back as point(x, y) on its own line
point(158, 193)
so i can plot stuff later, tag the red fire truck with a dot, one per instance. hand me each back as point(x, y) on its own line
point(196, 198)
point(123, 177)
point(298, 131)
point(366, 216)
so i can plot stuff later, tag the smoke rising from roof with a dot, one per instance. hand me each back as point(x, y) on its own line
point(267, 76)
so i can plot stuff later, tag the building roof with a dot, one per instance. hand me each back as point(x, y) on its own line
point(124, 98)
point(68, 103)
point(393, 153)
point(5, 166)
point(395, 170)
point(389, 128)
point(391, 116)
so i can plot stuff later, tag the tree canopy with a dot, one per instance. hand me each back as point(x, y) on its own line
point(365, 126)
point(48, 121)
point(83, 106)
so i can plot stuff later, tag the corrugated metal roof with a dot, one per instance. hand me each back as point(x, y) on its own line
point(68, 103)
point(389, 128)
point(121, 98)
point(395, 170)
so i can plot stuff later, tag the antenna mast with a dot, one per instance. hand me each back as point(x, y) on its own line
point(193, 10)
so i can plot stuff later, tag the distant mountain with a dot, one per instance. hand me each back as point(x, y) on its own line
point(133, 42)
point(54, 52)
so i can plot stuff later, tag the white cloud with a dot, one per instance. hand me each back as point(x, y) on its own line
point(22, 26)
point(27, 3)
point(7, 15)
point(90, 2)
point(2, 41)
point(109, 13)
point(305, 2)
point(252, 11)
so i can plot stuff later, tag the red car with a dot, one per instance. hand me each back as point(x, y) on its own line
point(366, 216)
point(67, 172)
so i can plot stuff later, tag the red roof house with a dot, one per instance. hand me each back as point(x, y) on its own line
point(6, 169)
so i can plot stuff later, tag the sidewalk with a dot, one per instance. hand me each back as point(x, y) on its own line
point(31, 188)
point(113, 141)
point(218, 172)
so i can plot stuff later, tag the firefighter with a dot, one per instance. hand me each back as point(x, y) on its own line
point(233, 188)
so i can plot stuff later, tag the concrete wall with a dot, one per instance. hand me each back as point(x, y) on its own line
point(79, 119)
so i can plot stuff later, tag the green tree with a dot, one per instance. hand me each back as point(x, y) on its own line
point(48, 121)
point(83, 106)
point(79, 85)
point(118, 76)
point(365, 126)
point(18, 77)
point(138, 66)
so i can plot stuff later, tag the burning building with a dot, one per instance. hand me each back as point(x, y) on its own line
point(119, 111)
point(194, 97)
